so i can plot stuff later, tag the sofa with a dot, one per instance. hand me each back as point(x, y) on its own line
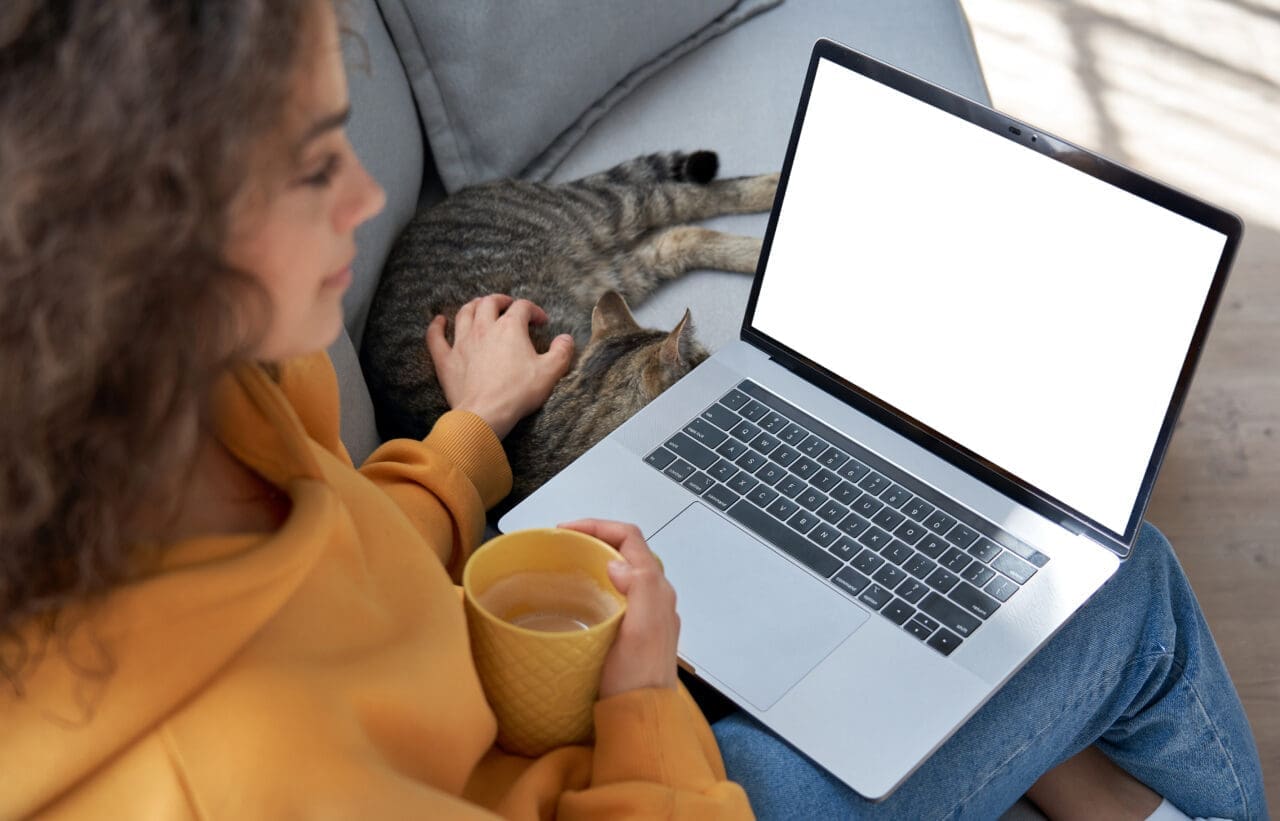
point(444, 94)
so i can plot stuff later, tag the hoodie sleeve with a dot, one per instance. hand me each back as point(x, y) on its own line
point(445, 483)
point(654, 757)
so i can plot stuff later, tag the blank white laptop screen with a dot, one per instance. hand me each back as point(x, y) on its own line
point(1033, 314)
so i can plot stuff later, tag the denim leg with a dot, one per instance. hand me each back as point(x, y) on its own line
point(1135, 671)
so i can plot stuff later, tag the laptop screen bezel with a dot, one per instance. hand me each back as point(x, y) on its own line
point(1031, 139)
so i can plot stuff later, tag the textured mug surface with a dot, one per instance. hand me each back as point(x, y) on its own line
point(542, 686)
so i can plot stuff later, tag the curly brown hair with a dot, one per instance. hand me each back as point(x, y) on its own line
point(126, 130)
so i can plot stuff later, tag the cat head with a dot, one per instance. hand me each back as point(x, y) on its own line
point(629, 364)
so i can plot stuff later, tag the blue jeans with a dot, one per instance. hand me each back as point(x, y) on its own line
point(1135, 671)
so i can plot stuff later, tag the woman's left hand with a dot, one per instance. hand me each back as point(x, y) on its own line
point(492, 369)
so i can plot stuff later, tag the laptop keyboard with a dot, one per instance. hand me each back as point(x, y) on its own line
point(878, 535)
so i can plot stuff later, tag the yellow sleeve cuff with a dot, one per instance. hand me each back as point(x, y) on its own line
point(468, 441)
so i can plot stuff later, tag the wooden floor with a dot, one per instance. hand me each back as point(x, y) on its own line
point(1189, 91)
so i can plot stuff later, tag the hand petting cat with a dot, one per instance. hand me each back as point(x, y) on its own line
point(492, 369)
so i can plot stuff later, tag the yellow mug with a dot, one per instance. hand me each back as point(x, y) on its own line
point(542, 615)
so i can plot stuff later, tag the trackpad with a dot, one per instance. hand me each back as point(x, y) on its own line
point(749, 617)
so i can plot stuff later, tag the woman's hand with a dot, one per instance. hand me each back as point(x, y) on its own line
point(644, 653)
point(492, 369)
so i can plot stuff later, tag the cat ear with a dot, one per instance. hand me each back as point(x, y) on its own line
point(611, 315)
point(674, 353)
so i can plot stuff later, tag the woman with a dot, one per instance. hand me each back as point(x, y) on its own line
point(206, 610)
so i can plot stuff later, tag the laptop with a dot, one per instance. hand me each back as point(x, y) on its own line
point(965, 347)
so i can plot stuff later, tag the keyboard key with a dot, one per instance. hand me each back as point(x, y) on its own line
point(888, 518)
point(1001, 588)
point(873, 483)
point(679, 470)
point(810, 499)
point(762, 496)
point(787, 540)
point(705, 432)
point(844, 548)
point(812, 445)
point(985, 549)
point(723, 470)
point(919, 566)
point(853, 470)
point(897, 611)
point(845, 493)
point(950, 614)
point(850, 581)
point(853, 525)
point(978, 573)
point(824, 534)
point(731, 449)
point(769, 473)
point(867, 562)
point(912, 590)
point(1029, 553)
point(793, 434)
point(721, 417)
point(804, 467)
point(803, 521)
point(791, 487)
point(918, 509)
point(875, 597)
point(735, 399)
point(897, 552)
point(955, 559)
point(699, 483)
point(743, 483)
point(833, 458)
point(939, 522)
point(826, 480)
point(942, 580)
point(684, 447)
point(744, 431)
point(962, 535)
point(784, 455)
point(1013, 567)
point(832, 511)
point(944, 642)
point(660, 458)
point(867, 505)
point(974, 600)
point(932, 546)
point(910, 532)
point(782, 508)
point(751, 461)
point(875, 538)
point(773, 422)
point(765, 443)
point(753, 410)
point(890, 576)
point(926, 622)
point(917, 629)
point(720, 496)
point(896, 496)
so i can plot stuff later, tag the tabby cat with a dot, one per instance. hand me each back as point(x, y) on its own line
point(579, 250)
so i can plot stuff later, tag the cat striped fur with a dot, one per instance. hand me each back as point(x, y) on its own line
point(581, 250)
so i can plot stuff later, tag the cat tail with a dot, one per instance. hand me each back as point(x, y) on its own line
point(666, 166)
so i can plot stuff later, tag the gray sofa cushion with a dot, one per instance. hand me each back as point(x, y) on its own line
point(498, 84)
point(737, 95)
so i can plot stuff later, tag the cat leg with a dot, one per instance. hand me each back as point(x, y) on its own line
point(673, 203)
point(670, 252)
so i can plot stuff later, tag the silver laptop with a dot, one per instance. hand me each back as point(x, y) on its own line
point(966, 345)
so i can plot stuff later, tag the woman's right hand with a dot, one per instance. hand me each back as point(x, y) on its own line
point(491, 367)
point(644, 653)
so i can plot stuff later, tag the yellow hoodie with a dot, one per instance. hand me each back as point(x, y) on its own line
point(323, 671)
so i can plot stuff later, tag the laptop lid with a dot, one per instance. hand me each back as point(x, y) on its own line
point(1026, 309)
